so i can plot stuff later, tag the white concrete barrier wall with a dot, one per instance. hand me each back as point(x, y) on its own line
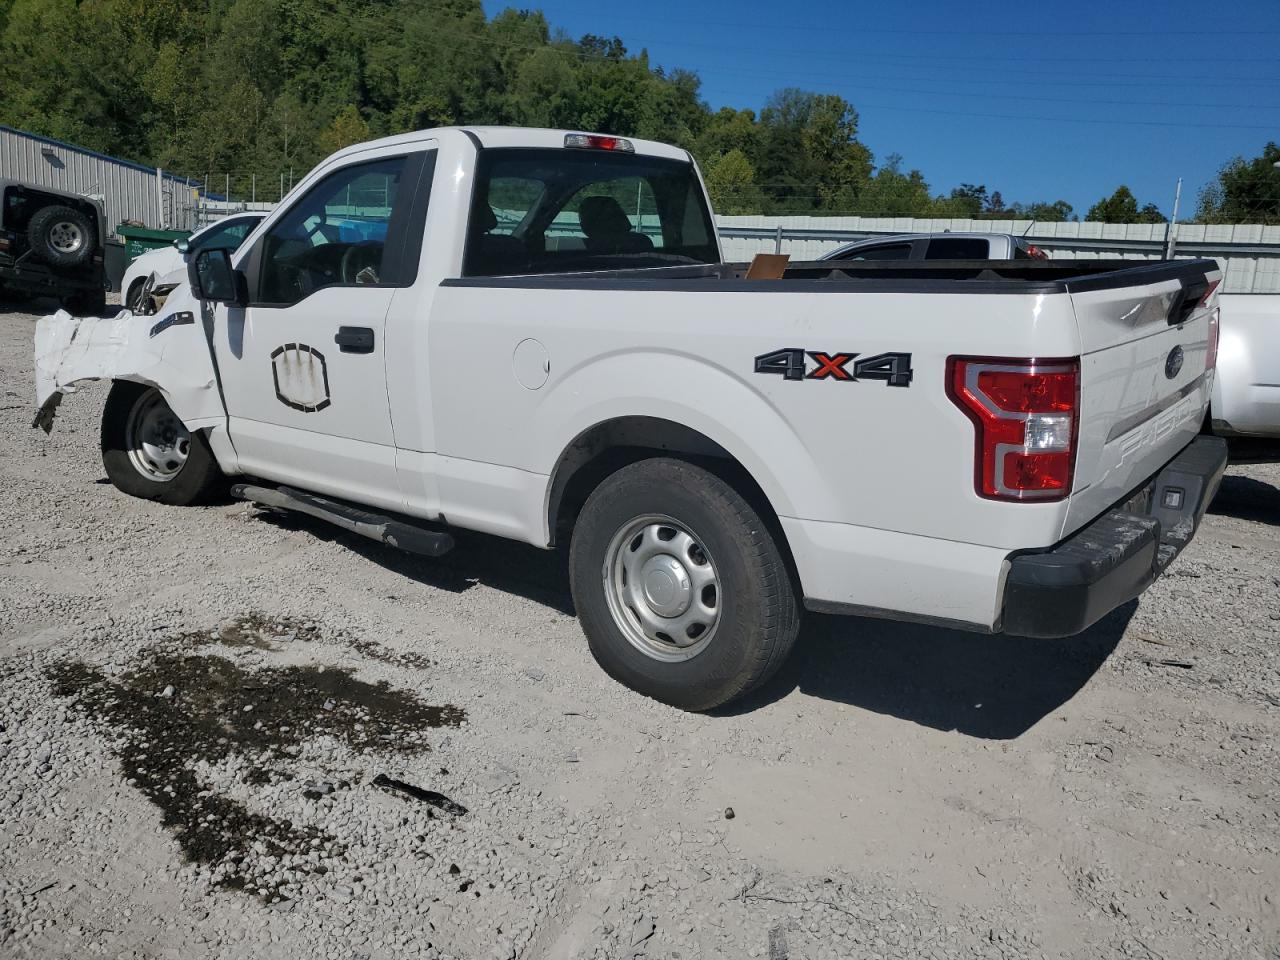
point(1247, 272)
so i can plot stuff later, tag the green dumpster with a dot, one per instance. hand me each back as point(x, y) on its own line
point(138, 240)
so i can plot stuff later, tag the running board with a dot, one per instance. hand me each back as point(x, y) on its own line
point(375, 526)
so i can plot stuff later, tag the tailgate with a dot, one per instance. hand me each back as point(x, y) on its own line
point(1144, 382)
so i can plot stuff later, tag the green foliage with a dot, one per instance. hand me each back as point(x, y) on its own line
point(1122, 207)
point(257, 89)
point(1246, 191)
point(731, 183)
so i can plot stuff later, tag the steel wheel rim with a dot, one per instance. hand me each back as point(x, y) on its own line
point(662, 588)
point(66, 237)
point(157, 442)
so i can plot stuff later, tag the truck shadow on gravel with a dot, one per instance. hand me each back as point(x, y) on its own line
point(1247, 499)
point(477, 559)
point(991, 687)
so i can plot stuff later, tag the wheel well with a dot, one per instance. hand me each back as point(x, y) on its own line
point(607, 447)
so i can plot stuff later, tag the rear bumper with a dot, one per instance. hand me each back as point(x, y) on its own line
point(1063, 590)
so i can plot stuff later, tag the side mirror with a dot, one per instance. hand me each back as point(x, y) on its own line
point(182, 246)
point(214, 279)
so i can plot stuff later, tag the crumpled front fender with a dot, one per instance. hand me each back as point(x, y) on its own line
point(166, 351)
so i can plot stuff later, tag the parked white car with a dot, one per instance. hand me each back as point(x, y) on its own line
point(1246, 392)
point(167, 265)
point(531, 333)
point(940, 246)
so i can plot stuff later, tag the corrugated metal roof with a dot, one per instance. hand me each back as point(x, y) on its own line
point(129, 191)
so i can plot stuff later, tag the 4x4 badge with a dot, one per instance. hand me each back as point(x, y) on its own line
point(790, 363)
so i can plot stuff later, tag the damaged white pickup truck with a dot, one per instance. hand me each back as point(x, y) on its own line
point(531, 333)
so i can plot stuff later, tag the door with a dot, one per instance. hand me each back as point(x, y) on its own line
point(303, 366)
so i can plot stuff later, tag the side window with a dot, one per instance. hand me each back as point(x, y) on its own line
point(957, 248)
point(890, 251)
point(226, 236)
point(336, 234)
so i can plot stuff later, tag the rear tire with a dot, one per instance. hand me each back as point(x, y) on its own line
point(61, 236)
point(680, 588)
point(148, 453)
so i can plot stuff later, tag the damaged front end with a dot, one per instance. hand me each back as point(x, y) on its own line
point(170, 353)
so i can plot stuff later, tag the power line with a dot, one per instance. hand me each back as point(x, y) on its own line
point(862, 105)
point(913, 31)
point(563, 49)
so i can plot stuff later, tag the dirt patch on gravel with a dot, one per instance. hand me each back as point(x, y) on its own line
point(178, 712)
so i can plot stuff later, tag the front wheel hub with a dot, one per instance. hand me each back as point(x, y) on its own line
point(157, 441)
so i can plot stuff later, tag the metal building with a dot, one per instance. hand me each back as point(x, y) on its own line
point(129, 191)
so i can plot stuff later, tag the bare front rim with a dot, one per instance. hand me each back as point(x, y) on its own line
point(66, 236)
point(662, 588)
point(157, 442)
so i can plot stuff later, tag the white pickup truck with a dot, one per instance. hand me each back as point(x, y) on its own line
point(531, 333)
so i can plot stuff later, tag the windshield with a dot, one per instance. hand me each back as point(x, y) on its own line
point(558, 210)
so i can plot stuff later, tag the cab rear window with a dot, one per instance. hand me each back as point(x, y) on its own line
point(558, 211)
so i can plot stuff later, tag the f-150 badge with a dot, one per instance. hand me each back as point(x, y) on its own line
point(793, 363)
point(301, 377)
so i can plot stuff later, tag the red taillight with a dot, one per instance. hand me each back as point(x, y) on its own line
point(597, 141)
point(1035, 253)
point(1025, 416)
point(1215, 330)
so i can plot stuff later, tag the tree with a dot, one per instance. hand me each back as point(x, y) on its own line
point(348, 127)
point(731, 183)
point(892, 193)
point(1122, 207)
point(1245, 191)
point(809, 156)
point(1056, 212)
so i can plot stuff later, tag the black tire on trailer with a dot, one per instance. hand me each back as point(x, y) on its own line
point(680, 587)
point(61, 236)
point(148, 453)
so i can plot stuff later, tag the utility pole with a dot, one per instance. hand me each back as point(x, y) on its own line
point(160, 213)
point(253, 189)
point(1171, 229)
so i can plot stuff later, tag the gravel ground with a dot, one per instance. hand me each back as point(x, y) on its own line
point(230, 734)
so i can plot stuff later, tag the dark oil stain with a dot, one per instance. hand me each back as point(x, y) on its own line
point(262, 632)
point(217, 710)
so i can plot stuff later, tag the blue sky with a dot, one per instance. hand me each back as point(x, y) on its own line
point(1040, 101)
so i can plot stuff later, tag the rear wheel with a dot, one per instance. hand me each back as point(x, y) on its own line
point(61, 236)
point(149, 453)
point(681, 590)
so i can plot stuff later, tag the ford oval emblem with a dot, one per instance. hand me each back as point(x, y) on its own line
point(1173, 363)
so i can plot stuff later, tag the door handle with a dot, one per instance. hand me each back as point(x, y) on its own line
point(354, 339)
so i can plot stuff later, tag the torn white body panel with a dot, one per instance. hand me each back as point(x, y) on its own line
point(167, 351)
